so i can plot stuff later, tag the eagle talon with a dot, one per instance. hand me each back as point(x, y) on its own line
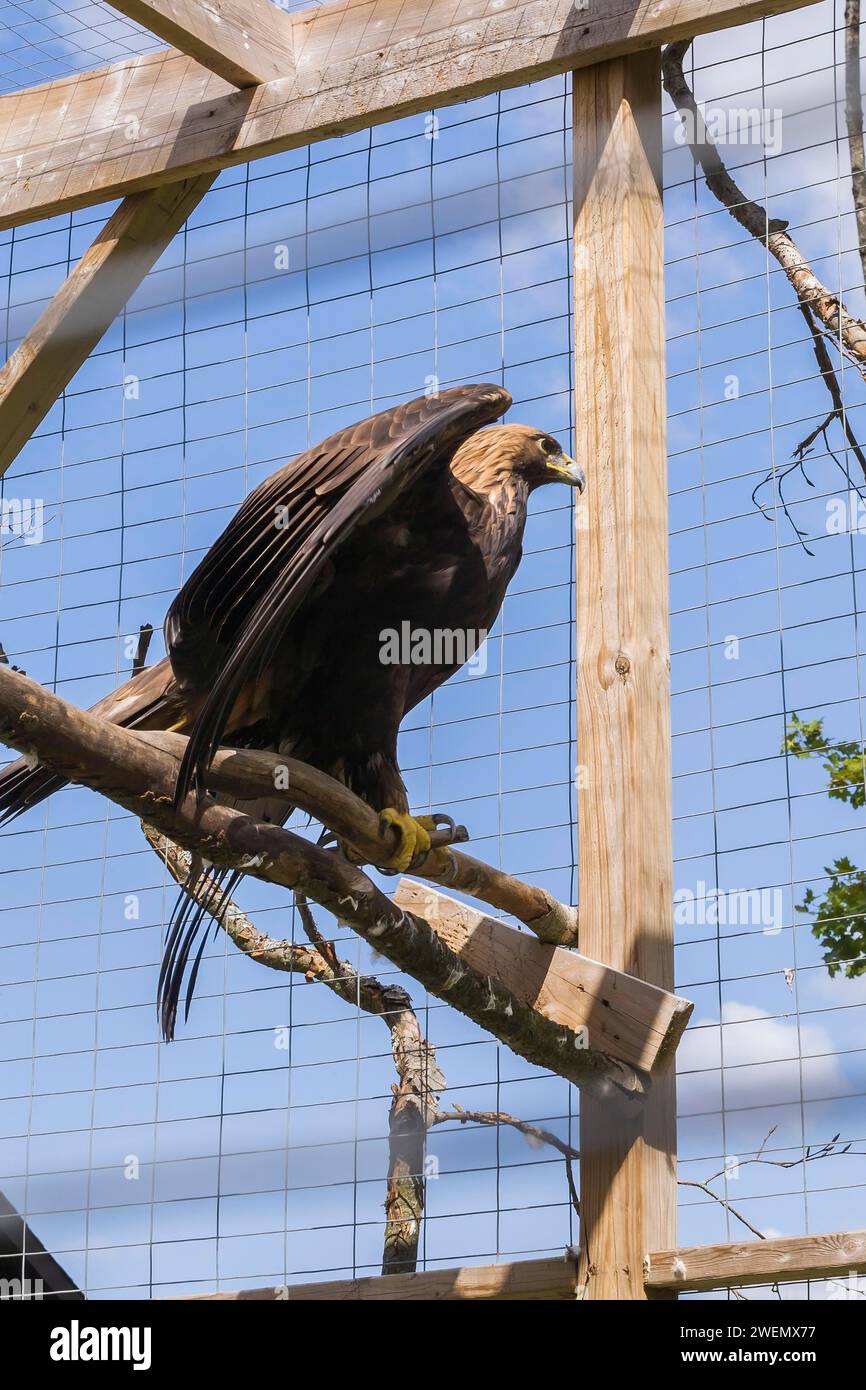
point(412, 838)
point(413, 844)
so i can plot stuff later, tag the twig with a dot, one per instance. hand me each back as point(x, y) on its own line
point(804, 448)
point(534, 1133)
point(831, 1149)
point(145, 633)
point(692, 1182)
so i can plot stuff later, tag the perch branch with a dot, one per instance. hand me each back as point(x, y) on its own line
point(244, 771)
point(141, 778)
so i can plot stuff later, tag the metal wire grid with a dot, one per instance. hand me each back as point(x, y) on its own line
point(44, 39)
point(217, 1209)
point(41, 40)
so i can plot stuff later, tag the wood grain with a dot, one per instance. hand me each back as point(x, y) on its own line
point(698, 1268)
point(623, 694)
point(783, 1259)
point(627, 1018)
point(528, 1279)
point(244, 41)
point(162, 116)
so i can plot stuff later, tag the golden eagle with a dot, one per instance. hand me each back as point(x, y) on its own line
point(408, 522)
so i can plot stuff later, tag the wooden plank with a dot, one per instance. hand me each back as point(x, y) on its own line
point(628, 1164)
point(627, 1018)
point(86, 304)
point(699, 1268)
point(783, 1259)
point(527, 1279)
point(244, 41)
point(692, 1269)
point(162, 116)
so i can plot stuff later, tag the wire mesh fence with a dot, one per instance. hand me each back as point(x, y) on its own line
point(306, 291)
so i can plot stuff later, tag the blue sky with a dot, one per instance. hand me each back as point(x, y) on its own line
point(406, 257)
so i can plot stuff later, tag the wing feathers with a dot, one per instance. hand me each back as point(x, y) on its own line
point(252, 581)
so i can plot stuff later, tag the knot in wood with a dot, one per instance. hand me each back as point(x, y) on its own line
point(622, 665)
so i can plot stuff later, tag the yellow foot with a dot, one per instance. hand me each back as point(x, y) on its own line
point(412, 838)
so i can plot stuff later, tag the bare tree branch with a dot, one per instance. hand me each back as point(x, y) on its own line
point(416, 1097)
point(827, 307)
point(243, 772)
point(413, 1107)
point(854, 121)
point(831, 1149)
point(826, 316)
point(702, 1186)
point(536, 1134)
point(414, 1110)
point(86, 749)
point(804, 448)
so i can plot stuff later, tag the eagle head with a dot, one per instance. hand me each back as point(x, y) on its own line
point(492, 457)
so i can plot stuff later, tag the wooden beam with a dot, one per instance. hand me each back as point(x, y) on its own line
point(626, 1018)
point(784, 1259)
point(694, 1269)
point(244, 41)
point(528, 1279)
point(628, 1164)
point(162, 116)
point(86, 304)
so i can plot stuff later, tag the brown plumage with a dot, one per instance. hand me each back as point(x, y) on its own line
point(275, 641)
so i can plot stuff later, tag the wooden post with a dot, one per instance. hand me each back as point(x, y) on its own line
point(628, 1178)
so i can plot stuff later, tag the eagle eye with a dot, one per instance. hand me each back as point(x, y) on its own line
point(548, 446)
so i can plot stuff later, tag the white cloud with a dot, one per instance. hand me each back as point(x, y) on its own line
point(749, 1043)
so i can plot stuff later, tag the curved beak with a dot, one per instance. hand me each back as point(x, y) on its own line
point(565, 470)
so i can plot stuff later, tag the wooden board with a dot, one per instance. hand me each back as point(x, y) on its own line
point(703, 1267)
point(244, 41)
point(528, 1279)
point(162, 116)
point(628, 1166)
point(633, 1021)
point(783, 1259)
point(86, 304)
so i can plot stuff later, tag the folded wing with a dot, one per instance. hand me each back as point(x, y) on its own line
point(241, 598)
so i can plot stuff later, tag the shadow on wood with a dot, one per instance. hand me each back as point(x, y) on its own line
point(626, 1018)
